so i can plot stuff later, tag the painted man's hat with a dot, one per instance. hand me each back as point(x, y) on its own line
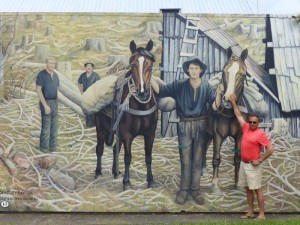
point(197, 61)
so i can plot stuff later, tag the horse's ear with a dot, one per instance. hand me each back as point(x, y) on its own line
point(229, 53)
point(132, 46)
point(149, 46)
point(244, 54)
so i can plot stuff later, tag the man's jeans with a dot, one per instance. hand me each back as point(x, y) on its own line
point(192, 142)
point(48, 138)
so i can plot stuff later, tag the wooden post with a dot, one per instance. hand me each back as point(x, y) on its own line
point(241, 29)
point(41, 53)
point(35, 24)
point(253, 32)
point(65, 68)
point(9, 28)
point(154, 27)
point(30, 38)
point(40, 17)
point(95, 44)
point(24, 42)
point(49, 31)
point(123, 59)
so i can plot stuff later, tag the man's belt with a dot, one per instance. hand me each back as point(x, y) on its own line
point(189, 119)
point(247, 161)
point(50, 98)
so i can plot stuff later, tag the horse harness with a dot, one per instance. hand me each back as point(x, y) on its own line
point(124, 107)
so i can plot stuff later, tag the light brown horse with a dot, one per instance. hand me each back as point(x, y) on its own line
point(136, 115)
point(224, 122)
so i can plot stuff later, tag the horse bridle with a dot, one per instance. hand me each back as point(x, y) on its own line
point(133, 92)
point(124, 107)
point(228, 105)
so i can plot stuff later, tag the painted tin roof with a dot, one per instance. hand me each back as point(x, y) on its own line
point(130, 6)
point(286, 46)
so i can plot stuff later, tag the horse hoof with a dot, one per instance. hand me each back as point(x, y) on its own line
point(117, 176)
point(97, 173)
point(127, 186)
point(152, 184)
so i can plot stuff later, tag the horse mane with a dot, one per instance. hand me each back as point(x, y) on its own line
point(128, 73)
point(144, 52)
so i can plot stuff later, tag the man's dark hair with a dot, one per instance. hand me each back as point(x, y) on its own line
point(254, 115)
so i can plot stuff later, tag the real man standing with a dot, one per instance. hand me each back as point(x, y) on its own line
point(250, 173)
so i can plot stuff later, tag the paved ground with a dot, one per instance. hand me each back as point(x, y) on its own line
point(117, 218)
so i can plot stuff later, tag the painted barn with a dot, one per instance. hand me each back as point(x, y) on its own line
point(283, 64)
point(187, 36)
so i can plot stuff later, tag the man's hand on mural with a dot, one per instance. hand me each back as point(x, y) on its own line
point(232, 98)
point(220, 89)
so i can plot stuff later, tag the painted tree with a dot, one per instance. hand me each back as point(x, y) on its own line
point(6, 44)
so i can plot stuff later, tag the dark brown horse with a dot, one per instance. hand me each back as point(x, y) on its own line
point(136, 114)
point(224, 121)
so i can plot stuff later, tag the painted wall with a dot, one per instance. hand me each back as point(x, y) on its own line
point(69, 184)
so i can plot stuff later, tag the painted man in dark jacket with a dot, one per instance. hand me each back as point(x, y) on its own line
point(84, 82)
point(192, 96)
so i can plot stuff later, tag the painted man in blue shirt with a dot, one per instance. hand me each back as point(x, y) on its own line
point(193, 97)
point(84, 82)
point(47, 83)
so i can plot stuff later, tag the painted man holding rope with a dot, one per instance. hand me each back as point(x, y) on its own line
point(191, 96)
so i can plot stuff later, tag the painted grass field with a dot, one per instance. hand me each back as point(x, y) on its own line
point(76, 158)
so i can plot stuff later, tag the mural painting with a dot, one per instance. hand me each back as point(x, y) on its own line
point(130, 159)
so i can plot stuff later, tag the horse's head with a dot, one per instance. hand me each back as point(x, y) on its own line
point(141, 63)
point(234, 73)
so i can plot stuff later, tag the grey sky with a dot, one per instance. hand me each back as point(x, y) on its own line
point(143, 6)
point(275, 6)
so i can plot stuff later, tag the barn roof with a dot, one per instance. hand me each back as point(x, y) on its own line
point(286, 45)
point(131, 6)
point(218, 35)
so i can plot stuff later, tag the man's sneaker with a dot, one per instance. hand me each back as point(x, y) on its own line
point(197, 196)
point(181, 196)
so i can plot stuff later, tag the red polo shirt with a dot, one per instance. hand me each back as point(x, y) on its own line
point(252, 142)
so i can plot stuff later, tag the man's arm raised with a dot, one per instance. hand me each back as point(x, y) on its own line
point(217, 102)
point(237, 112)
